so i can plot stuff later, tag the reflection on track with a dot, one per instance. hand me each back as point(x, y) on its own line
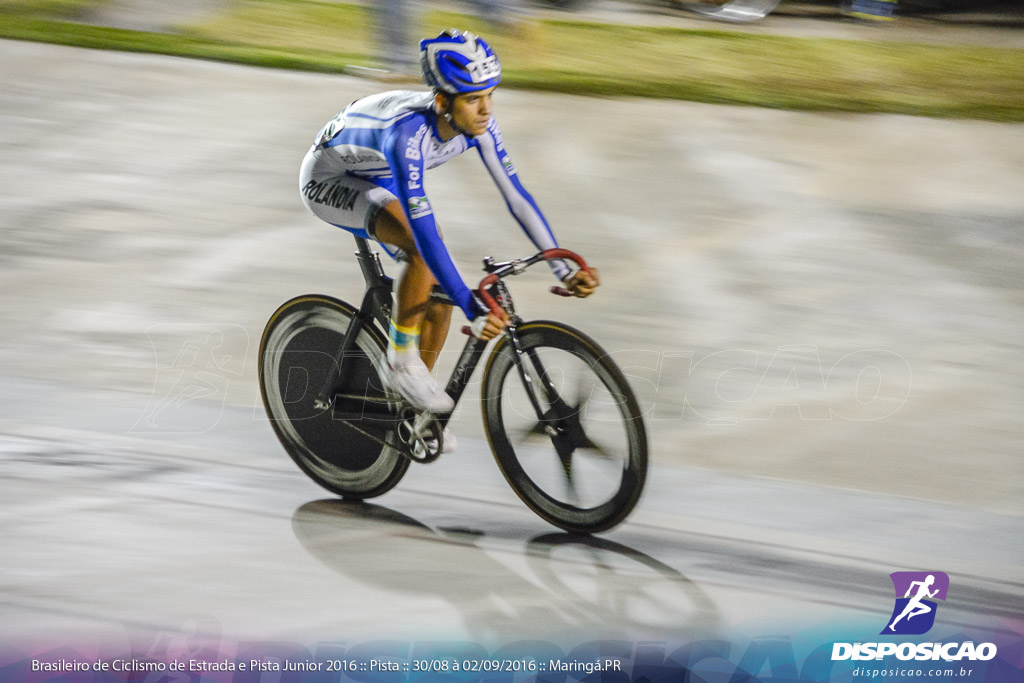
point(139, 533)
point(569, 583)
point(604, 581)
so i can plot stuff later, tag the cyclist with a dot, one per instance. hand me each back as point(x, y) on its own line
point(364, 173)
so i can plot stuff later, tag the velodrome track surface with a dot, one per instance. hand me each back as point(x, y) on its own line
point(821, 314)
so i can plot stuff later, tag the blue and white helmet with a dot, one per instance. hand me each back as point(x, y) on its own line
point(459, 62)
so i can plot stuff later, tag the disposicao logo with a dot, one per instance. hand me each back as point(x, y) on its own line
point(916, 593)
point(914, 614)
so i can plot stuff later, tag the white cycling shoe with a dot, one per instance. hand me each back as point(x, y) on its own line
point(424, 421)
point(413, 382)
point(448, 441)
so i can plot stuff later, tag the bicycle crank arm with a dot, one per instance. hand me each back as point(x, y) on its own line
point(349, 408)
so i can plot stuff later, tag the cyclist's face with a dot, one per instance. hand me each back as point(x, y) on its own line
point(472, 111)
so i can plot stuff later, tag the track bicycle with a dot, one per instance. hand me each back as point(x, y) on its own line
point(562, 421)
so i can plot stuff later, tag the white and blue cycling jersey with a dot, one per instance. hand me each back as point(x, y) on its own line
point(390, 140)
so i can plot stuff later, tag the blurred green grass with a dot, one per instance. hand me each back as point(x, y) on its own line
point(591, 59)
point(45, 8)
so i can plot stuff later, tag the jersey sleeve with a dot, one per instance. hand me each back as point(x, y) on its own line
point(520, 202)
point(406, 151)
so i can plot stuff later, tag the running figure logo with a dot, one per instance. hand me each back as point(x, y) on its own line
point(914, 613)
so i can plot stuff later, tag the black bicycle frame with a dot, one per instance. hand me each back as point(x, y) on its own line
point(376, 307)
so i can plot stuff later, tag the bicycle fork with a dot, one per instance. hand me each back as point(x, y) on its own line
point(560, 422)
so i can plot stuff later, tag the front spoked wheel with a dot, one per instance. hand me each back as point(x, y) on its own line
point(565, 427)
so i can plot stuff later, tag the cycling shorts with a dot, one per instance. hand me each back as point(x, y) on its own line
point(343, 200)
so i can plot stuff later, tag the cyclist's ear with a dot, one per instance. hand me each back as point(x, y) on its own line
point(441, 101)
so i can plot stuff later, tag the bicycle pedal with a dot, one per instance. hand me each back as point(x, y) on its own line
point(423, 424)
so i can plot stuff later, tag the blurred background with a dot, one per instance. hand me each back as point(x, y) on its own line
point(807, 218)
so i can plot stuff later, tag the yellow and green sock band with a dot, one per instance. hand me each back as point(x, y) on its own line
point(403, 338)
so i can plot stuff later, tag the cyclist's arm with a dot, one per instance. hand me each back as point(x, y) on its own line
point(519, 201)
point(406, 161)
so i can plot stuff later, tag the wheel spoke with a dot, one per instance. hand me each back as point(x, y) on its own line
point(537, 430)
point(582, 400)
point(572, 493)
point(595, 450)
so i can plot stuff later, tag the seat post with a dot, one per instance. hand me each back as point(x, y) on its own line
point(377, 297)
point(369, 263)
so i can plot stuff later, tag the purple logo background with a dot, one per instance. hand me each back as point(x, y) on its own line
point(902, 580)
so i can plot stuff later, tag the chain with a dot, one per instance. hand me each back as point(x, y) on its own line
point(405, 450)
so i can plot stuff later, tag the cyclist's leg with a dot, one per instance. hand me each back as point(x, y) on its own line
point(406, 370)
point(414, 308)
point(436, 319)
point(368, 210)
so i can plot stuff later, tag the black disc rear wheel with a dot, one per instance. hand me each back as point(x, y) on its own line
point(298, 350)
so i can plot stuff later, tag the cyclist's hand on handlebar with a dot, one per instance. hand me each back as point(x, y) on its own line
point(489, 326)
point(582, 284)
